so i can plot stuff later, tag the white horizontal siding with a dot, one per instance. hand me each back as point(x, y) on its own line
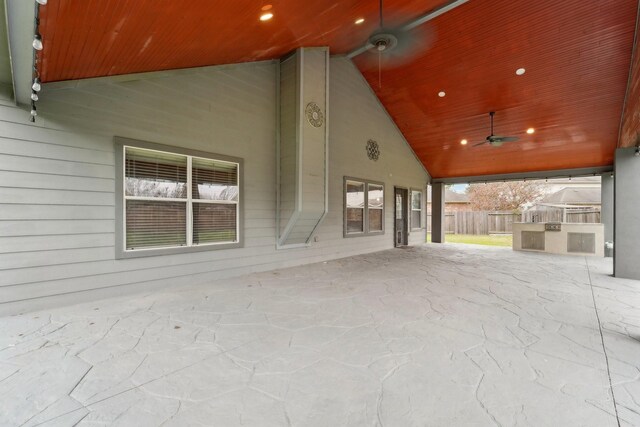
point(56, 167)
point(41, 196)
point(19, 179)
point(57, 178)
point(37, 212)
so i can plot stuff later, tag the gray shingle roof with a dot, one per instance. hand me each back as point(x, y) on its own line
point(577, 196)
point(451, 196)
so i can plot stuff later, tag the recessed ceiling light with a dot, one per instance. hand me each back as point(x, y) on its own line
point(441, 94)
point(520, 71)
point(359, 21)
point(463, 142)
point(530, 131)
point(266, 16)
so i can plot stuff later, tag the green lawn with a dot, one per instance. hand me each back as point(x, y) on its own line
point(491, 240)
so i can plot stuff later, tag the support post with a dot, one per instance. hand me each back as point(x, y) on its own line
point(606, 211)
point(437, 213)
point(626, 223)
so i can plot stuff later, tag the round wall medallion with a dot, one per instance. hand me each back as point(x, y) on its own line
point(373, 150)
point(314, 114)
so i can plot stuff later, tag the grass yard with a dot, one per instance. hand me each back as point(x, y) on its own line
point(490, 240)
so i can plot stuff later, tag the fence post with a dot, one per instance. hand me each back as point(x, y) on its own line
point(486, 221)
point(455, 223)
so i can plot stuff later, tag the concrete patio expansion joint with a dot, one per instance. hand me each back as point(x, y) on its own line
point(604, 349)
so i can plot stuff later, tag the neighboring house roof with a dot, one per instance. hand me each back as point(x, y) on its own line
point(574, 196)
point(451, 197)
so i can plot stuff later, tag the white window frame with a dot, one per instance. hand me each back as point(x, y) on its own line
point(414, 190)
point(121, 144)
point(365, 217)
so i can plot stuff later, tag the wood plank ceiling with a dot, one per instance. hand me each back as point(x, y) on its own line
point(576, 54)
point(630, 129)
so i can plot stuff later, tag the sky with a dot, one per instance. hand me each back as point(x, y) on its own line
point(459, 188)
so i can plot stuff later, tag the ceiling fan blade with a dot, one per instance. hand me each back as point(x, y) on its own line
point(481, 143)
point(411, 44)
point(360, 50)
point(434, 13)
point(507, 138)
point(412, 24)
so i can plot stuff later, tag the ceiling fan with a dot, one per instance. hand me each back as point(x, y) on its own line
point(399, 44)
point(495, 140)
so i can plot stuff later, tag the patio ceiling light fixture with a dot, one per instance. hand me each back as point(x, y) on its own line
point(520, 71)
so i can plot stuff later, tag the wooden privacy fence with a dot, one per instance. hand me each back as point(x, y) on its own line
point(580, 216)
point(478, 222)
point(484, 222)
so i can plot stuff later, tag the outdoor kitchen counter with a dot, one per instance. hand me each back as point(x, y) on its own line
point(559, 238)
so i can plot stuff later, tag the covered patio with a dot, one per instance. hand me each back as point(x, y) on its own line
point(428, 335)
point(214, 213)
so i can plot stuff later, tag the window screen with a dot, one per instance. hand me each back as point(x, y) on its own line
point(416, 209)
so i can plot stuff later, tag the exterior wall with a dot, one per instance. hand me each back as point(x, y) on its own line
point(57, 201)
point(626, 232)
point(454, 207)
point(457, 207)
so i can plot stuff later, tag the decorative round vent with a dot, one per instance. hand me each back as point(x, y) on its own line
point(314, 114)
point(373, 150)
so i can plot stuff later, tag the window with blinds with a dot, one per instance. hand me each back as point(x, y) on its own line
point(375, 203)
point(175, 200)
point(364, 207)
point(355, 207)
point(416, 209)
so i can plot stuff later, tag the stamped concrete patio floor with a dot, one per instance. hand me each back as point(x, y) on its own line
point(439, 335)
